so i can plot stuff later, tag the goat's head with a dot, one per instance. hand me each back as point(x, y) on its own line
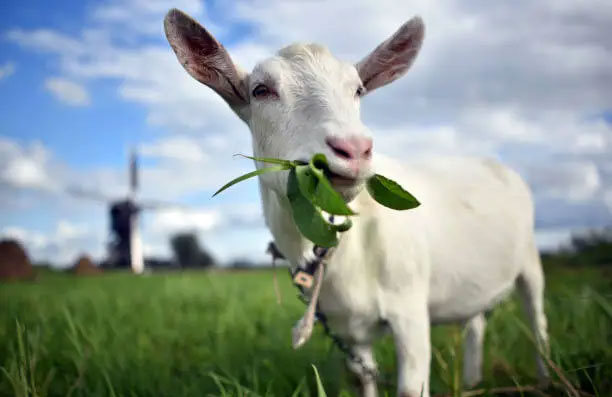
point(303, 100)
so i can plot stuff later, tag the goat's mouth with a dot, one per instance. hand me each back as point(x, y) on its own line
point(343, 181)
point(340, 180)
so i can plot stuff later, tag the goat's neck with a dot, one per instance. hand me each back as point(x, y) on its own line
point(284, 230)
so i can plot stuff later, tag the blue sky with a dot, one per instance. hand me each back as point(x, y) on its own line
point(62, 128)
point(81, 83)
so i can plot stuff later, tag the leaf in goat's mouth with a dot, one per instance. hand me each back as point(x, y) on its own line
point(315, 186)
point(307, 216)
point(310, 192)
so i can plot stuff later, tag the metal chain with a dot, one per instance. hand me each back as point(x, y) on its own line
point(344, 348)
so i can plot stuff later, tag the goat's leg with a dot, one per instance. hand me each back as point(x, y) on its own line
point(530, 286)
point(412, 344)
point(473, 347)
point(367, 383)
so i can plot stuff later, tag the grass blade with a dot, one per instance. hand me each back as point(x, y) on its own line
point(298, 389)
point(320, 389)
point(601, 301)
point(269, 160)
point(250, 175)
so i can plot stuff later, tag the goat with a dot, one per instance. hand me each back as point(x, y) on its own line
point(449, 260)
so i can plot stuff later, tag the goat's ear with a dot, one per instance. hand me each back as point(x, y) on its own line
point(206, 60)
point(391, 59)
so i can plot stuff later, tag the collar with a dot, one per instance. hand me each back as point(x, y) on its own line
point(303, 275)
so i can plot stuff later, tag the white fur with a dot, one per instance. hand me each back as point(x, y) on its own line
point(449, 260)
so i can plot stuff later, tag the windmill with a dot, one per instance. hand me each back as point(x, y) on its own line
point(125, 247)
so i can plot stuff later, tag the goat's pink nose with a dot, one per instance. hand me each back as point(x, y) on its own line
point(353, 148)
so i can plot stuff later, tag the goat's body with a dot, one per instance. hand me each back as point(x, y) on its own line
point(460, 252)
point(450, 259)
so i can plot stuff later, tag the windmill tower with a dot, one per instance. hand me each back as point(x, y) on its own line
point(125, 248)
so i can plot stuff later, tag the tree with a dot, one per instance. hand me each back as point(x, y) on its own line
point(593, 247)
point(188, 252)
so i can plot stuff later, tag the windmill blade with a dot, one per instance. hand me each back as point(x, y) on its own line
point(88, 194)
point(133, 173)
point(162, 205)
point(230, 220)
point(237, 221)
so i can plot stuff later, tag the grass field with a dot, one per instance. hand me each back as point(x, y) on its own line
point(221, 333)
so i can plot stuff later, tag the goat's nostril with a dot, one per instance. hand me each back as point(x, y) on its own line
point(352, 148)
point(339, 148)
point(341, 153)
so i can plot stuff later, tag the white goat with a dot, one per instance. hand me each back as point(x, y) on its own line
point(449, 260)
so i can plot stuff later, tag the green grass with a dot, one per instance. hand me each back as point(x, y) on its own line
point(222, 333)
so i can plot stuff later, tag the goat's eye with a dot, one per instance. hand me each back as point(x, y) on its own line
point(261, 91)
point(360, 91)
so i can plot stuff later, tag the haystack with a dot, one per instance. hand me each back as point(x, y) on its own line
point(14, 262)
point(85, 267)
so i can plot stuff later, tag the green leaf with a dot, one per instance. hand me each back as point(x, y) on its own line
point(319, 162)
point(269, 160)
point(250, 175)
point(316, 187)
point(329, 200)
point(320, 389)
point(390, 194)
point(307, 181)
point(307, 217)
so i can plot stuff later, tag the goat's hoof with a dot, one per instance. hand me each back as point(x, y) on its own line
point(472, 381)
point(407, 394)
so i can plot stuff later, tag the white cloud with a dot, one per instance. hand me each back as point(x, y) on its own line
point(228, 232)
point(175, 148)
point(66, 230)
point(25, 167)
point(61, 246)
point(143, 16)
point(45, 40)
point(575, 181)
point(7, 69)
point(67, 91)
point(500, 124)
point(591, 142)
point(193, 164)
point(172, 221)
point(33, 240)
point(554, 238)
